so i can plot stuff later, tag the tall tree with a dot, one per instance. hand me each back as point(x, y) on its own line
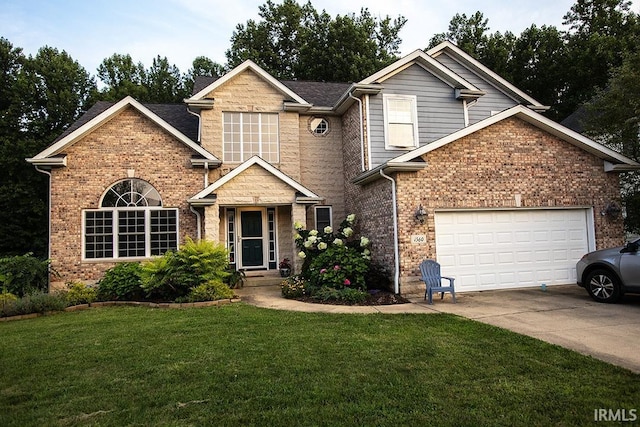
point(164, 82)
point(41, 96)
point(294, 41)
point(468, 33)
point(537, 65)
point(613, 117)
point(601, 33)
point(202, 66)
point(122, 77)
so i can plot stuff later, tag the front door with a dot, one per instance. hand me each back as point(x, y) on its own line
point(252, 239)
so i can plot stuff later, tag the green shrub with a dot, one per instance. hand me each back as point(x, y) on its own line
point(175, 274)
point(333, 259)
point(378, 277)
point(24, 274)
point(347, 295)
point(121, 282)
point(35, 302)
point(79, 293)
point(212, 290)
point(236, 278)
point(339, 267)
point(7, 297)
point(293, 287)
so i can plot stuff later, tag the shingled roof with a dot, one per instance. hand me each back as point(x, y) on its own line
point(320, 94)
point(174, 114)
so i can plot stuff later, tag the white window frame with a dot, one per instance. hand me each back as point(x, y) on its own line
point(413, 99)
point(115, 231)
point(241, 143)
point(315, 213)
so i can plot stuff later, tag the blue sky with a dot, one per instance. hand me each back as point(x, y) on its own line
point(181, 30)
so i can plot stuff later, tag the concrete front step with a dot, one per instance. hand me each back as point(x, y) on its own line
point(267, 278)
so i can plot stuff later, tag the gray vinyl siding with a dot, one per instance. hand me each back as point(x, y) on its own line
point(439, 113)
point(494, 100)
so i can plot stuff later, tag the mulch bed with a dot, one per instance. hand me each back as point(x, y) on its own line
point(376, 297)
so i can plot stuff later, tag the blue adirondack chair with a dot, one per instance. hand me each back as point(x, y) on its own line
point(430, 271)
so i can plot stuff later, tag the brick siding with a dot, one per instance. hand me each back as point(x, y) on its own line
point(129, 141)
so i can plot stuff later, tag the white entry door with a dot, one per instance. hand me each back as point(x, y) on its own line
point(512, 248)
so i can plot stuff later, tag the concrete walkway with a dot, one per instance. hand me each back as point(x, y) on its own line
point(563, 315)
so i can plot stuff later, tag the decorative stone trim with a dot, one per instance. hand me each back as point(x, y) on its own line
point(217, 303)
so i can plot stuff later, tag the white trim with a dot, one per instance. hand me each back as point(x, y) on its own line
point(107, 115)
point(368, 127)
point(413, 99)
point(248, 65)
point(255, 160)
point(532, 118)
point(427, 62)
point(264, 238)
point(462, 57)
point(115, 216)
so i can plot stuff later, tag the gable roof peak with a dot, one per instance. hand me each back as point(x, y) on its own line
point(247, 65)
point(477, 67)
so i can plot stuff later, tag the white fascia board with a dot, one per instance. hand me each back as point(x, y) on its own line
point(111, 112)
point(248, 64)
point(49, 161)
point(428, 63)
point(255, 160)
point(465, 58)
point(535, 119)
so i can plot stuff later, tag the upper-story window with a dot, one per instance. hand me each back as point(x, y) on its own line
point(400, 121)
point(249, 134)
point(130, 223)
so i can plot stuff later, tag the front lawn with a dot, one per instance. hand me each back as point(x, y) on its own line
point(241, 365)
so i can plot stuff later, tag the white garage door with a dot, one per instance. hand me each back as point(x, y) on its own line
point(511, 248)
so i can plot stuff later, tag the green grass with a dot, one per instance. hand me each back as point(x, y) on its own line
point(240, 365)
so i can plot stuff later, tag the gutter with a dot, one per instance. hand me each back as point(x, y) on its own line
point(389, 167)
point(396, 249)
point(48, 226)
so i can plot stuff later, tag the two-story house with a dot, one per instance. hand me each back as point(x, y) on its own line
point(437, 156)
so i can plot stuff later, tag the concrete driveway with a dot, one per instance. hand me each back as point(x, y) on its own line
point(562, 315)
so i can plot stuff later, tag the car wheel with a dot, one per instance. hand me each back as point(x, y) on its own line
point(603, 286)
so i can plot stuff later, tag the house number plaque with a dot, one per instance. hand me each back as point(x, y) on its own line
point(418, 239)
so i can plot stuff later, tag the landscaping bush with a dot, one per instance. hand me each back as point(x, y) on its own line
point(121, 283)
point(210, 291)
point(35, 302)
point(174, 274)
point(293, 287)
point(347, 295)
point(23, 274)
point(7, 297)
point(378, 277)
point(339, 267)
point(333, 261)
point(79, 293)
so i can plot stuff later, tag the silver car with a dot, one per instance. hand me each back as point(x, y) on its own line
point(610, 273)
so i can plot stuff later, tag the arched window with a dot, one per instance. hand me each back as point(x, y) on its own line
point(131, 223)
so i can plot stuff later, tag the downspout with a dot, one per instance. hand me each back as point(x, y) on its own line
point(362, 169)
point(206, 164)
point(48, 228)
point(396, 249)
point(198, 222)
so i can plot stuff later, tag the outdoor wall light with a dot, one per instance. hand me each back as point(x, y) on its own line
point(421, 214)
point(612, 210)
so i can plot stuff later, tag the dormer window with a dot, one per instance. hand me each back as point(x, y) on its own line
point(250, 134)
point(400, 121)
